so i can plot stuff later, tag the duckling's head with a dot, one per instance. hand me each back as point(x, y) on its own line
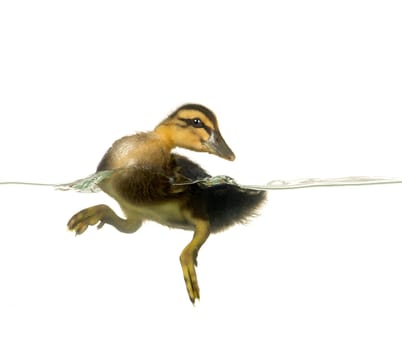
point(194, 127)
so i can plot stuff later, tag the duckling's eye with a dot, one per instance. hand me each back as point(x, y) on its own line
point(197, 123)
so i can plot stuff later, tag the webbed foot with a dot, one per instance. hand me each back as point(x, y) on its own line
point(188, 264)
point(89, 216)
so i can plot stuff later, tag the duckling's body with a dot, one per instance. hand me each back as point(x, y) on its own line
point(151, 183)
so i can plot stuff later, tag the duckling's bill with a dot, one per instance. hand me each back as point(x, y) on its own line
point(218, 146)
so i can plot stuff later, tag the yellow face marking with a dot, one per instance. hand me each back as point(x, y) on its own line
point(194, 114)
point(196, 130)
point(184, 134)
point(193, 139)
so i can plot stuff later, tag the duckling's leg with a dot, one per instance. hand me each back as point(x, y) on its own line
point(104, 215)
point(188, 257)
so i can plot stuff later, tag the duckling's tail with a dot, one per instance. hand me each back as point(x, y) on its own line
point(228, 205)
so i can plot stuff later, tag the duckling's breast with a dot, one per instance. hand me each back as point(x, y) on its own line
point(167, 213)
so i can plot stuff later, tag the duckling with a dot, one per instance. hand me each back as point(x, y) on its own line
point(150, 182)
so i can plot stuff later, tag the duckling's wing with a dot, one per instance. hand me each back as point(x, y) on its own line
point(149, 183)
point(140, 185)
point(187, 169)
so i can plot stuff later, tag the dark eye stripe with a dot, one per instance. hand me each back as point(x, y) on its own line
point(190, 122)
point(204, 110)
point(207, 129)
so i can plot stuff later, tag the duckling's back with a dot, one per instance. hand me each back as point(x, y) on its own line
point(134, 150)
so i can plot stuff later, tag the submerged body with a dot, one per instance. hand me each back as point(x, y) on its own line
point(151, 183)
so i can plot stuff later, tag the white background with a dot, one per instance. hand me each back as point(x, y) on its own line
point(301, 88)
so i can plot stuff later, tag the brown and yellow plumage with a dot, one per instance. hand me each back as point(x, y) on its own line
point(146, 184)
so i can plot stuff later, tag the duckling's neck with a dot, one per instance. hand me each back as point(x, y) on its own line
point(163, 132)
